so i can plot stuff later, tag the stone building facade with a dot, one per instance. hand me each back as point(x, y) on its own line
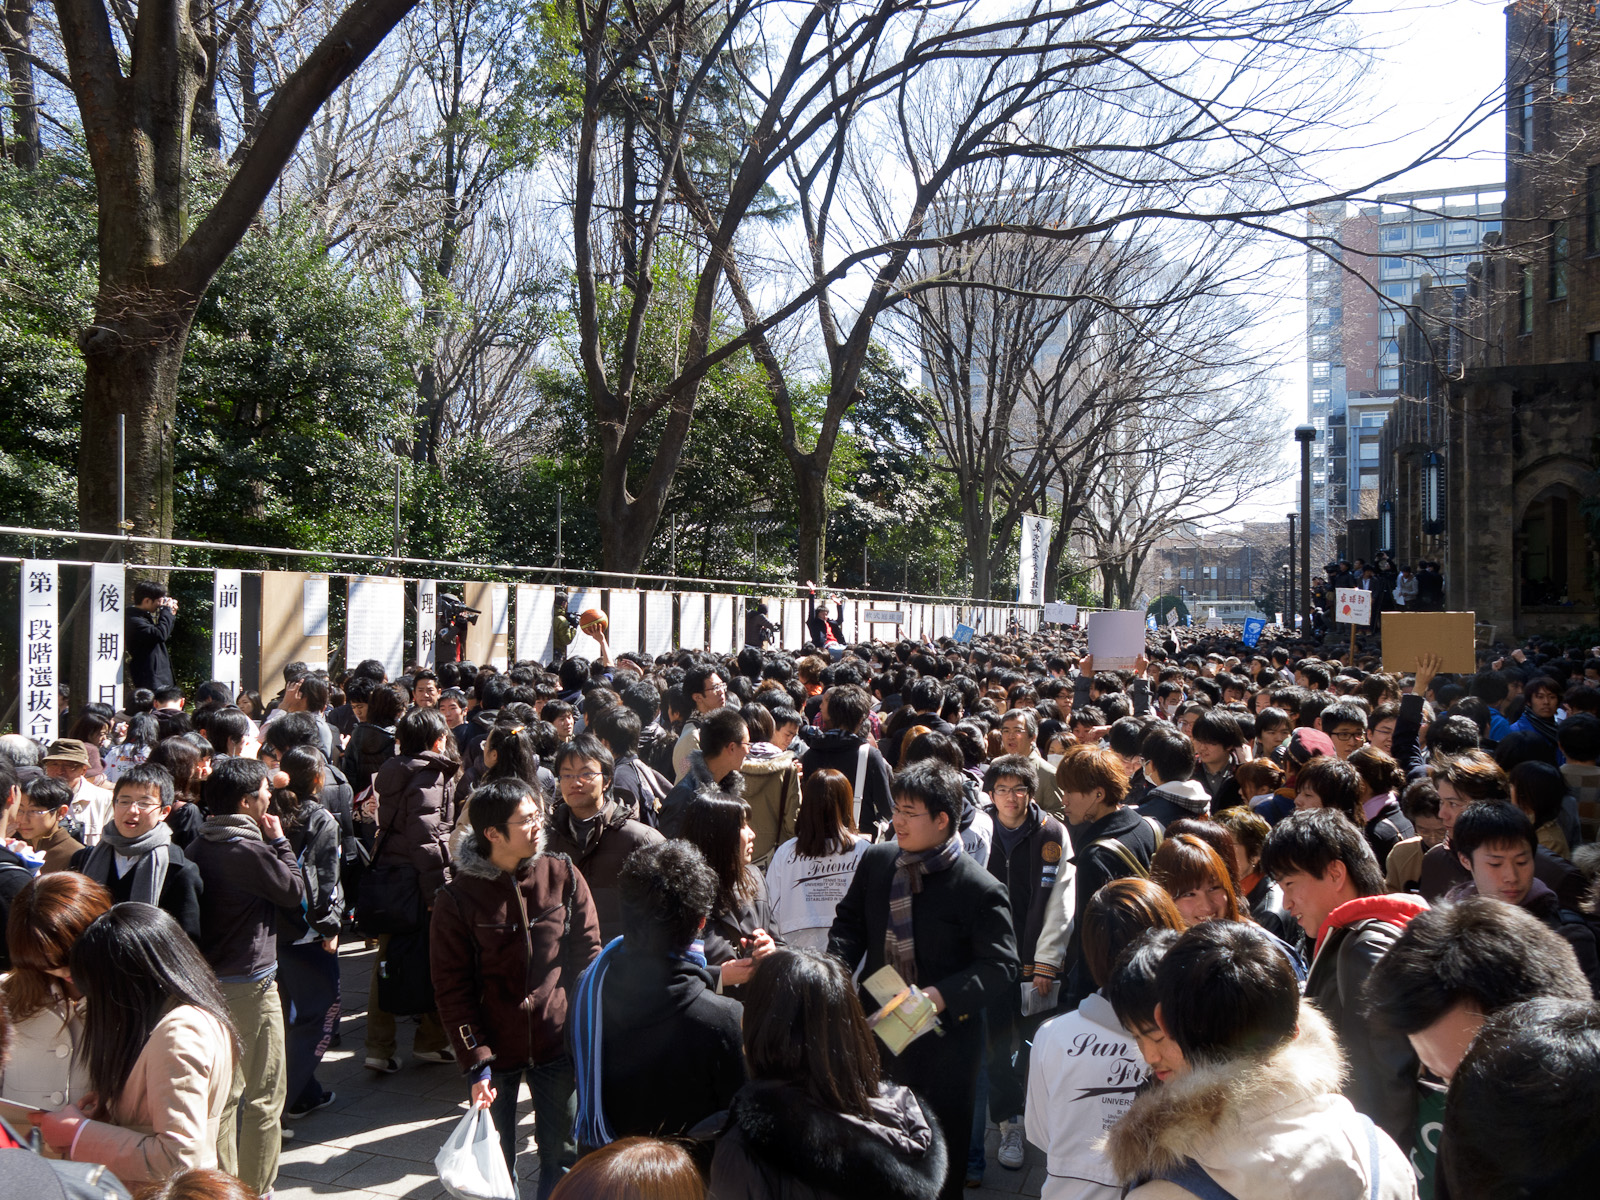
point(1500, 375)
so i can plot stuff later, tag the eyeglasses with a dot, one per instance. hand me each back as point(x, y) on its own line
point(1353, 735)
point(585, 777)
point(909, 814)
point(40, 812)
point(135, 804)
point(1001, 789)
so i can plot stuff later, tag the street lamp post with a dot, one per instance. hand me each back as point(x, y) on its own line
point(1305, 435)
point(1289, 609)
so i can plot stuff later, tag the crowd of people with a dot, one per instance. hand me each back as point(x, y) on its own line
point(1231, 921)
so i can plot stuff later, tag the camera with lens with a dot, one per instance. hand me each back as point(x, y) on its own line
point(454, 617)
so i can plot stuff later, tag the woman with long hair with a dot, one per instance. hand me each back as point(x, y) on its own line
point(818, 1118)
point(159, 1046)
point(45, 1069)
point(308, 937)
point(1379, 787)
point(810, 873)
point(509, 753)
point(184, 762)
point(738, 930)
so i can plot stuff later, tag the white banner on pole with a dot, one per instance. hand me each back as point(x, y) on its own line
point(852, 621)
point(536, 635)
point(427, 620)
point(657, 623)
point(375, 622)
point(622, 612)
point(692, 621)
point(39, 677)
point(582, 644)
point(722, 624)
point(794, 624)
point(227, 628)
point(108, 594)
point(500, 624)
point(1031, 558)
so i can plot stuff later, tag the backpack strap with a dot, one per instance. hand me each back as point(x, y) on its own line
point(1376, 1171)
point(1123, 855)
point(1192, 1178)
point(863, 753)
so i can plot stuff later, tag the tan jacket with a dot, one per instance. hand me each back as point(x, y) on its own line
point(772, 790)
point(41, 1072)
point(58, 850)
point(167, 1116)
point(1049, 796)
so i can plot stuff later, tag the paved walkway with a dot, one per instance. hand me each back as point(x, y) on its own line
point(379, 1138)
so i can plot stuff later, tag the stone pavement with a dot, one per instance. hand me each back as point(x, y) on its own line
point(379, 1138)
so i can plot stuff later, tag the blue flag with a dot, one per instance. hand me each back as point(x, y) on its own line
point(964, 633)
point(1252, 630)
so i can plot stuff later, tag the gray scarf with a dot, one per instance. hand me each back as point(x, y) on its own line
point(150, 871)
point(231, 828)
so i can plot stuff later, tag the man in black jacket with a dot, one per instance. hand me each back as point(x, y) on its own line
point(839, 746)
point(1112, 842)
point(148, 626)
point(926, 695)
point(670, 1048)
point(944, 923)
point(135, 858)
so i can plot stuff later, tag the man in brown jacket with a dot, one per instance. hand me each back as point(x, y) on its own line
point(592, 829)
point(510, 935)
point(45, 805)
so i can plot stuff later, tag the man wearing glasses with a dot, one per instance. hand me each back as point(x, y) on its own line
point(1346, 727)
point(592, 829)
point(920, 905)
point(135, 858)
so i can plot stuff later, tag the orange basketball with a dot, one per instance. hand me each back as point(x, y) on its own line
point(589, 618)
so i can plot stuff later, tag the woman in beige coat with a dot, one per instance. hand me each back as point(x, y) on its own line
point(44, 1069)
point(158, 1040)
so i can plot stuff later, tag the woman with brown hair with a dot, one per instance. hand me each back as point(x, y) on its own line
point(1379, 813)
point(633, 1168)
point(45, 1069)
point(1201, 885)
point(810, 873)
point(817, 1117)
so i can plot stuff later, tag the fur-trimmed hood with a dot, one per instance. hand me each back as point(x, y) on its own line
point(468, 861)
point(730, 787)
point(898, 1155)
point(1203, 1114)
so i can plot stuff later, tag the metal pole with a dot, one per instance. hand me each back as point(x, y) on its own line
point(397, 508)
point(673, 544)
point(1305, 435)
point(1290, 609)
point(863, 566)
point(558, 528)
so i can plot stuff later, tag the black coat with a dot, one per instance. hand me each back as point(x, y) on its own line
point(961, 922)
point(839, 751)
point(180, 890)
point(14, 876)
point(671, 1051)
point(1387, 829)
point(1094, 867)
point(778, 1143)
point(147, 634)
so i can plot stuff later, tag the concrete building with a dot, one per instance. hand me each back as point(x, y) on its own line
point(1225, 571)
point(1369, 264)
point(1493, 454)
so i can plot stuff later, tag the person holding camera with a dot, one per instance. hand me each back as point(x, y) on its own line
point(148, 629)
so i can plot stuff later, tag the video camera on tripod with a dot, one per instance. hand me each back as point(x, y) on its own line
point(455, 616)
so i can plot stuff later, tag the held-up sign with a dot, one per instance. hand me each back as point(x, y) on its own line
point(1352, 606)
point(884, 616)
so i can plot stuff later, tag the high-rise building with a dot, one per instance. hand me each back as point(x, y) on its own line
point(1366, 266)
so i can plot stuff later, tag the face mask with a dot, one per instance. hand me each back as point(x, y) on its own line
point(1053, 759)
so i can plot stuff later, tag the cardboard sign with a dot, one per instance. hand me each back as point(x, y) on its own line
point(1409, 635)
point(1116, 639)
point(1352, 606)
point(1252, 630)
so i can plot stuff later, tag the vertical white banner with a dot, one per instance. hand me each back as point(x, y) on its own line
point(622, 611)
point(1030, 559)
point(582, 645)
point(108, 594)
point(794, 624)
point(657, 623)
point(227, 628)
point(500, 624)
point(39, 676)
point(852, 623)
point(375, 622)
point(536, 632)
point(722, 624)
point(427, 620)
point(692, 621)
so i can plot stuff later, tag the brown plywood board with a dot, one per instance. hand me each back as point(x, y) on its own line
point(1408, 635)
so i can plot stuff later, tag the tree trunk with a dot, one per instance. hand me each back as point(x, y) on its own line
point(132, 354)
point(24, 104)
point(811, 483)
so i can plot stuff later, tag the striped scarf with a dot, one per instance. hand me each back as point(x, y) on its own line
point(899, 943)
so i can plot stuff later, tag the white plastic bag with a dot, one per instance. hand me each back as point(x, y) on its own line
point(470, 1164)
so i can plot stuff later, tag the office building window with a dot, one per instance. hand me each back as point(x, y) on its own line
point(1369, 481)
point(1319, 344)
point(1428, 235)
point(1321, 395)
point(1369, 451)
point(1462, 231)
point(1560, 56)
point(1373, 420)
point(1319, 317)
point(1558, 260)
point(1525, 325)
point(1388, 378)
point(1321, 370)
point(1395, 235)
point(1395, 266)
point(1525, 120)
point(1397, 291)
